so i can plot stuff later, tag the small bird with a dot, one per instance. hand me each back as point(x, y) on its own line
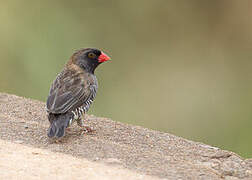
point(73, 91)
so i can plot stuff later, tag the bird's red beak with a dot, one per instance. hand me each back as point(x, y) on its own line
point(103, 57)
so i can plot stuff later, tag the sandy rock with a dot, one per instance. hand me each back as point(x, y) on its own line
point(112, 151)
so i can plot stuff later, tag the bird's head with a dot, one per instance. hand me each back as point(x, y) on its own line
point(89, 58)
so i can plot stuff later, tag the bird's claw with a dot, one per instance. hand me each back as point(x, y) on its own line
point(86, 129)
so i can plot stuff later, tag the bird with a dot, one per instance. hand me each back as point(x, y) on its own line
point(73, 91)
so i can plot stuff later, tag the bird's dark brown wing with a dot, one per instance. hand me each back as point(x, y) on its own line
point(69, 91)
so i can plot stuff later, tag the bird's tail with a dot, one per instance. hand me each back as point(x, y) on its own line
point(58, 125)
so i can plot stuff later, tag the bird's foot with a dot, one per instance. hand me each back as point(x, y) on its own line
point(86, 129)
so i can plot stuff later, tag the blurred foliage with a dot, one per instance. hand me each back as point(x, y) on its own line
point(182, 67)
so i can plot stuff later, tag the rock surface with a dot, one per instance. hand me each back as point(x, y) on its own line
point(113, 151)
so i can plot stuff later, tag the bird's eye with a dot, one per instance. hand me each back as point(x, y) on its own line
point(91, 55)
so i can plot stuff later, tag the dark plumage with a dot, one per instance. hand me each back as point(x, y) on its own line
point(73, 91)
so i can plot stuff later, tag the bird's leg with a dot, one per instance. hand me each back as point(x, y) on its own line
point(80, 122)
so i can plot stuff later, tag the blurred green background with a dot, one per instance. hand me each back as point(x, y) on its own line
point(182, 67)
